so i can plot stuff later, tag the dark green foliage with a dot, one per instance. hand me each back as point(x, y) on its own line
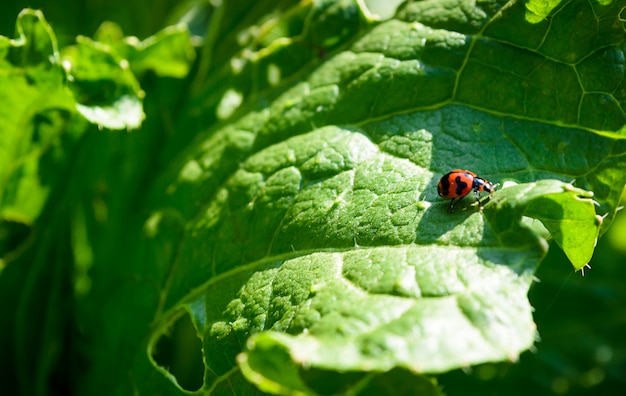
point(259, 213)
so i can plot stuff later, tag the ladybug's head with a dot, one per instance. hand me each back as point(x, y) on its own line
point(481, 185)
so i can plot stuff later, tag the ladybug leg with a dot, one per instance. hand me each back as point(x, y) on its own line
point(487, 199)
point(484, 201)
point(453, 203)
point(480, 204)
point(451, 207)
point(493, 188)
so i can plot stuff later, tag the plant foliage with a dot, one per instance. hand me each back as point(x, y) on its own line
point(275, 198)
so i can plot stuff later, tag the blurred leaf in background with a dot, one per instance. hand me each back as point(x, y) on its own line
point(259, 213)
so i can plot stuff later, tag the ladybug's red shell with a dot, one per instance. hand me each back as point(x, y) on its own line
point(456, 184)
point(459, 183)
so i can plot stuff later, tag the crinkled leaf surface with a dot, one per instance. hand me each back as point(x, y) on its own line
point(292, 214)
point(314, 237)
point(428, 309)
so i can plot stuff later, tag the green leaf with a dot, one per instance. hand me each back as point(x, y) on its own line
point(357, 266)
point(396, 382)
point(285, 204)
point(561, 208)
point(47, 166)
point(343, 318)
point(372, 309)
point(32, 92)
point(35, 102)
point(538, 11)
point(104, 74)
point(106, 90)
point(168, 53)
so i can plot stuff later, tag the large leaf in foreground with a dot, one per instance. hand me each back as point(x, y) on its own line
point(361, 305)
point(354, 267)
point(304, 220)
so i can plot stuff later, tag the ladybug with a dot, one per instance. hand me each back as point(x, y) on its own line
point(459, 183)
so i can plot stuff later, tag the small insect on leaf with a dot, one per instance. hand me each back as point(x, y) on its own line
point(458, 183)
